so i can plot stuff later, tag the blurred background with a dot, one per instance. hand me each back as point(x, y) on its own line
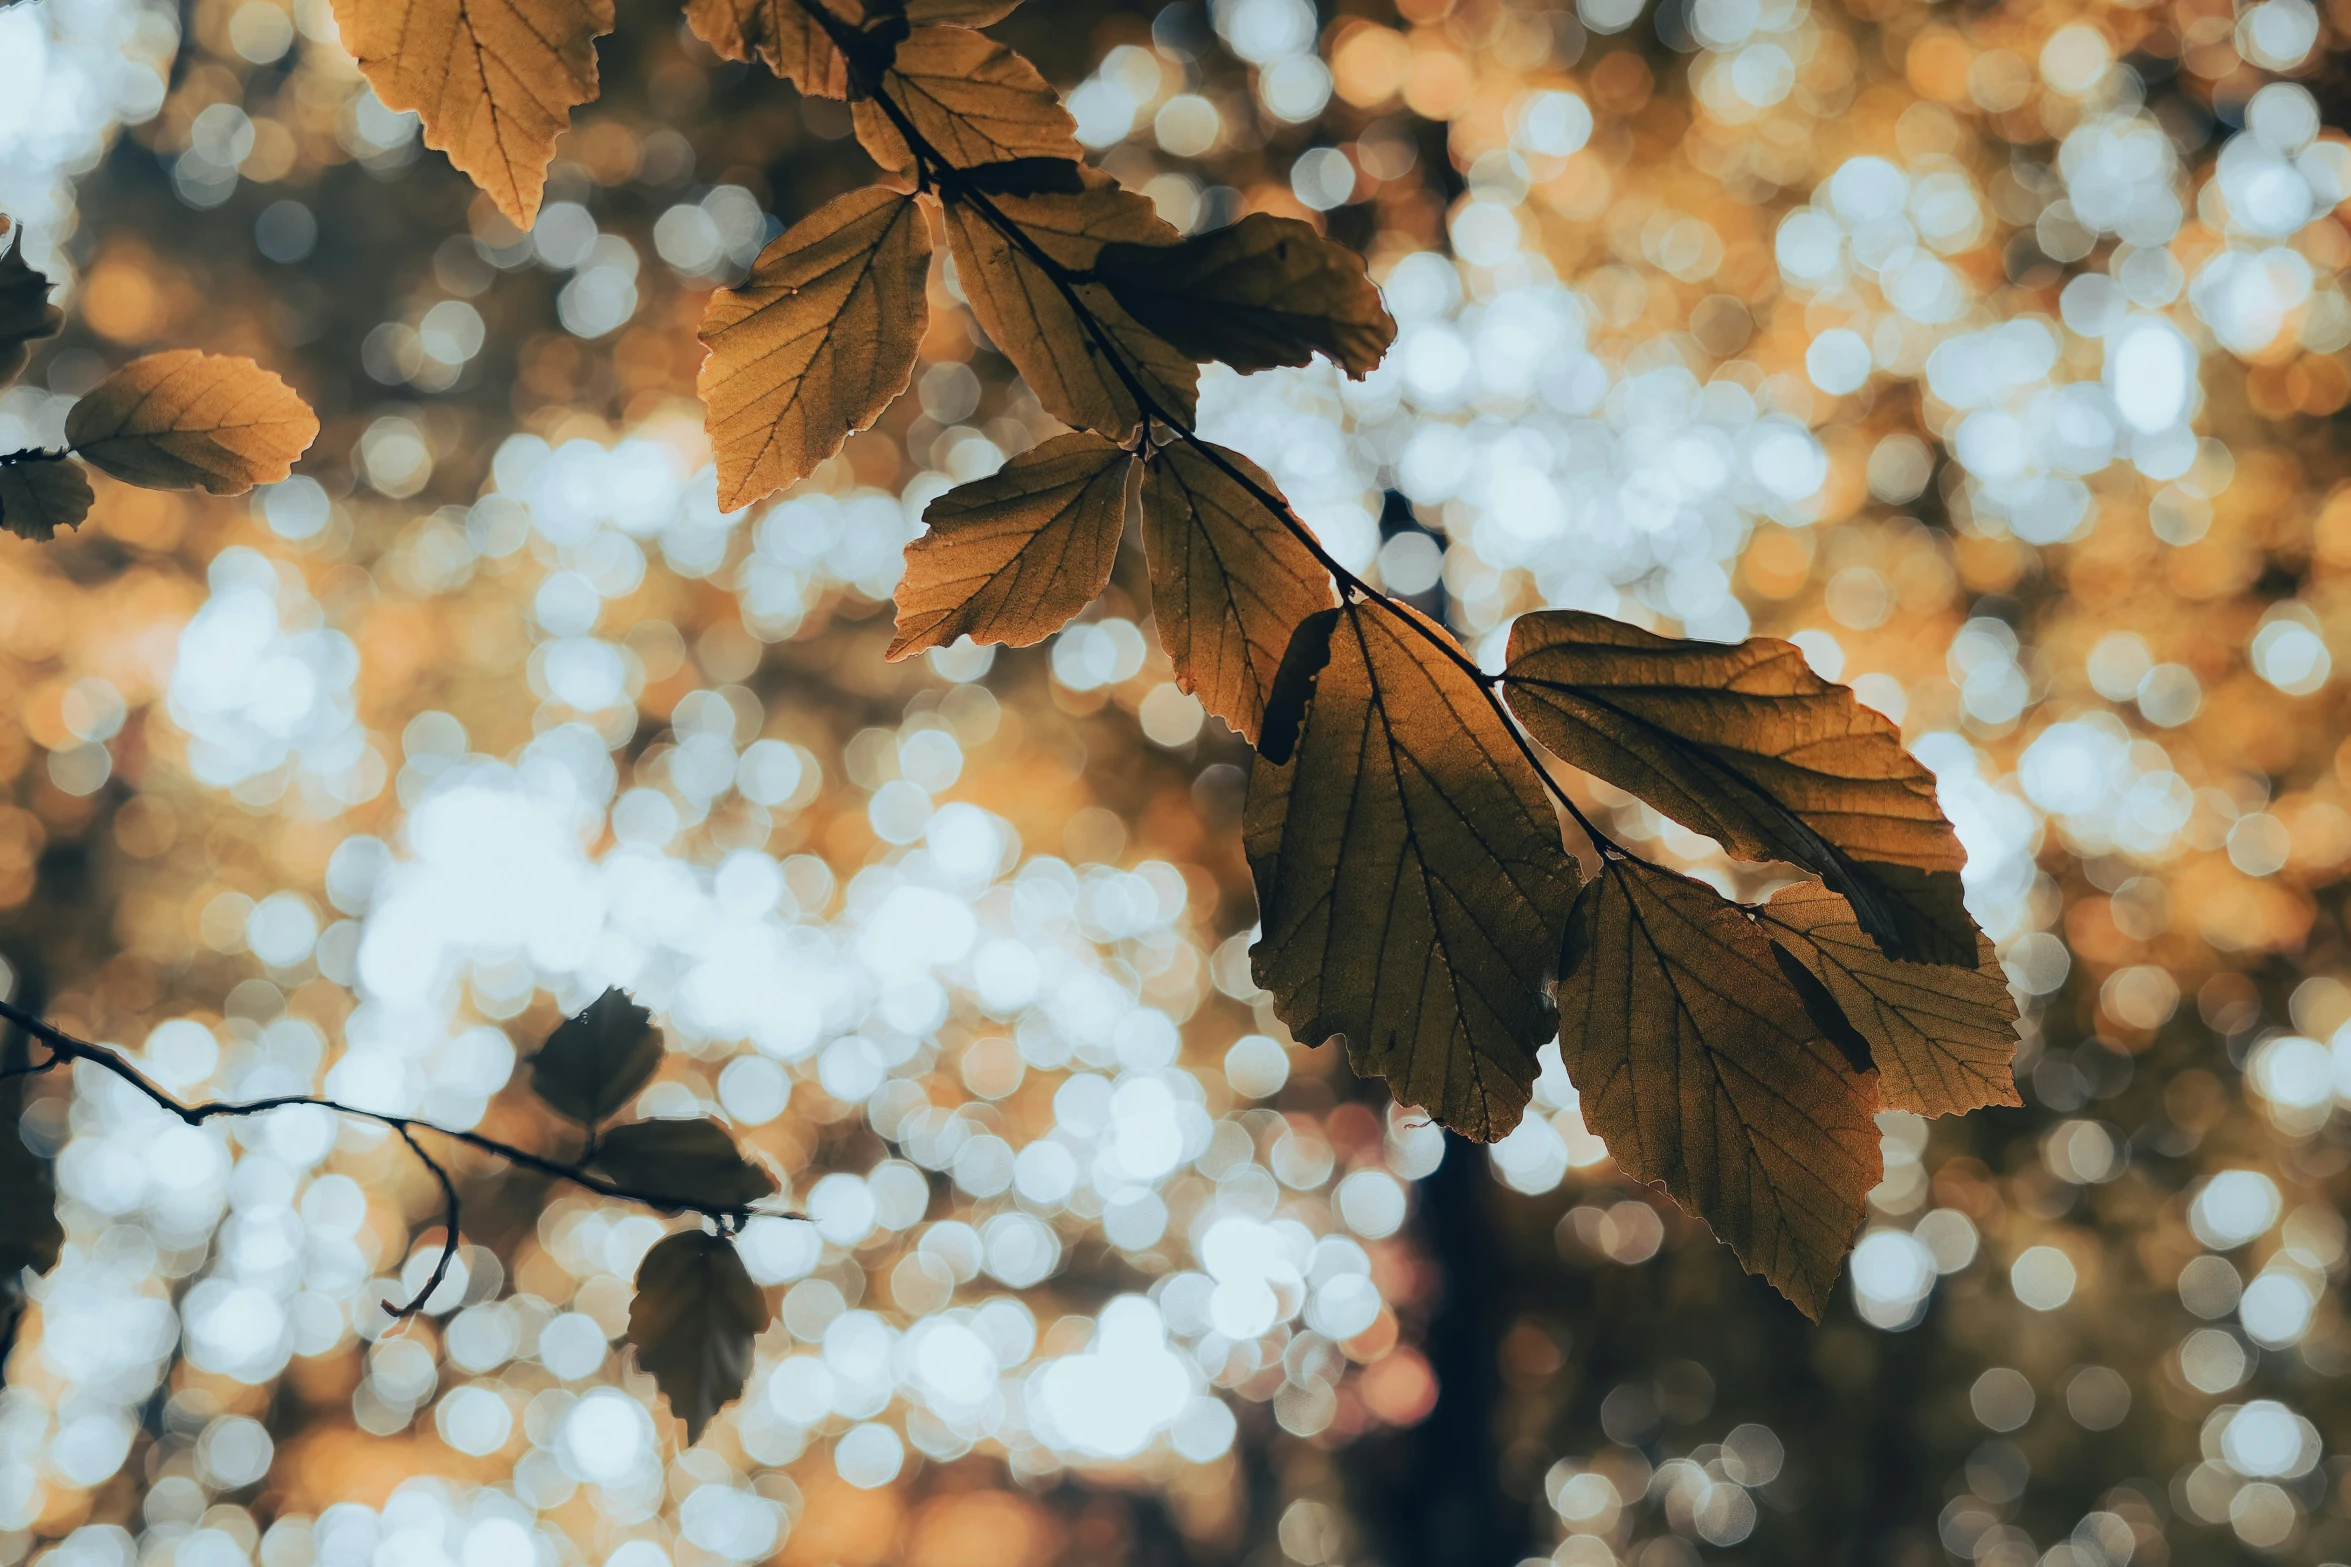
point(1994, 352)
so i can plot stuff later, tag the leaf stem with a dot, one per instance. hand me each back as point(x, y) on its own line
point(32, 454)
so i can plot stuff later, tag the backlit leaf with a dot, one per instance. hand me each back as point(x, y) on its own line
point(1411, 883)
point(781, 35)
point(691, 1324)
point(1700, 1069)
point(816, 342)
point(1265, 291)
point(25, 311)
point(1027, 315)
point(1745, 744)
point(970, 98)
point(1229, 582)
point(42, 494)
point(495, 81)
point(1012, 557)
point(187, 420)
point(682, 1164)
point(1943, 1038)
point(594, 1063)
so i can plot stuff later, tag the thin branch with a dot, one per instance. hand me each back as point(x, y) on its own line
point(33, 454)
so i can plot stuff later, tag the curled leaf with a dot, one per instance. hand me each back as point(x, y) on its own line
point(1699, 1068)
point(1745, 744)
point(1262, 292)
point(25, 311)
point(1229, 582)
point(1942, 1038)
point(692, 1323)
point(495, 81)
point(972, 100)
point(1411, 883)
point(1025, 312)
point(816, 342)
point(39, 495)
point(682, 1164)
point(1012, 557)
point(188, 420)
point(595, 1062)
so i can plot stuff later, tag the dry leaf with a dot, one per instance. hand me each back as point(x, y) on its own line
point(25, 311)
point(1411, 883)
point(692, 1321)
point(187, 420)
point(1942, 1038)
point(781, 35)
point(970, 98)
point(1229, 582)
point(816, 342)
point(1745, 744)
point(595, 1062)
point(39, 495)
point(1265, 291)
point(1012, 557)
point(682, 1164)
point(1698, 1066)
point(1026, 314)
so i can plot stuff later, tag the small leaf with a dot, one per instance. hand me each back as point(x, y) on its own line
point(1943, 1038)
point(781, 35)
point(816, 342)
point(1698, 1067)
point(1027, 315)
point(25, 311)
point(691, 1324)
point(1745, 744)
point(39, 495)
point(495, 81)
point(682, 1164)
point(30, 1235)
point(1229, 583)
point(1265, 291)
point(973, 100)
point(1012, 557)
point(1411, 883)
point(188, 420)
point(594, 1063)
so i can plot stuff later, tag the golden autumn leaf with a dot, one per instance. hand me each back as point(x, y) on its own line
point(816, 342)
point(25, 311)
point(1012, 557)
point(595, 1061)
point(1028, 314)
point(682, 1164)
point(1411, 882)
point(967, 96)
point(692, 1321)
point(1229, 583)
point(494, 81)
point(188, 420)
point(39, 495)
point(1942, 1037)
point(1265, 291)
point(1698, 1066)
point(1744, 743)
point(782, 35)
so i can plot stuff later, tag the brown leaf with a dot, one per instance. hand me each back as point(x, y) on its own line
point(1027, 315)
point(188, 420)
point(1745, 744)
point(1942, 1038)
point(42, 494)
point(495, 81)
point(781, 35)
point(25, 311)
point(816, 342)
point(1698, 1067)
point(595, 1062)
point(973, 100)
point(1265, 291)
point(1229, 582)
point(682, 1164)
point(1012, 557)
point(1411, 883)
point(692, 1321)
